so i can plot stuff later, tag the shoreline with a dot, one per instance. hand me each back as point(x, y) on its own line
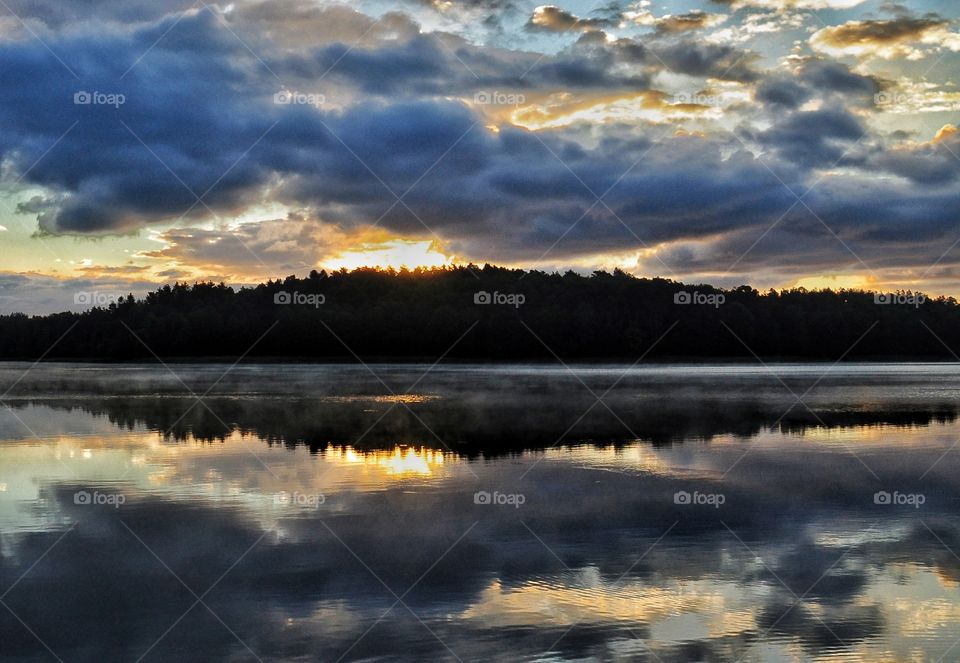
point(470, 361)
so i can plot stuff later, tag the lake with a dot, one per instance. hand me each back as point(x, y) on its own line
point(209, 512)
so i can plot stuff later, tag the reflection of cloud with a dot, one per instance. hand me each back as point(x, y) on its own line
point(582, 597)
point(212, 502)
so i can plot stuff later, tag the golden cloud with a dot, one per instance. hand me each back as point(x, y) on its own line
point(888, 39)
point(793, 4)
point(259, 250)
point(947, 132)
point(695, 20)
point(563, 108)
point(553, 19)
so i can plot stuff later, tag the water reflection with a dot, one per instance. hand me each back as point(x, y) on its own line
point(799, 561)
point(401, 461)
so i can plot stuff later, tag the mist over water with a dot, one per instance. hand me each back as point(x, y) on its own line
point(485, 513)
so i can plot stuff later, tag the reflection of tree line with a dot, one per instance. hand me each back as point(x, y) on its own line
point(483, 425)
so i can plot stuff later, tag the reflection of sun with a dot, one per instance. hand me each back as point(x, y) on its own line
point(400, 461)
point(394, 253)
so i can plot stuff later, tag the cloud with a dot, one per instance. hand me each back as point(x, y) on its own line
point(257, 250)
point(946, 133)
point(56, 15)
point(817, 78)
point(485, 5)
point(901, 37)
point(550, 18)
point(691, 21)
point(690, 58)
point(415, 113)
point(300, 24)
point(199, 119)
point(934, 162)
point(748, 27)
point(793, 4)
point(39, 294)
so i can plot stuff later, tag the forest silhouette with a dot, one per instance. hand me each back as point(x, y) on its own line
point(490, 313)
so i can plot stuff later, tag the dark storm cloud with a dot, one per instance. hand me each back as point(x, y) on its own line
point(56, 14)
point(931, 163)
point(818, 78)
point(188, 104)
point(197, 112)
point(782, 91)
point(692, 58)
point(814, 138)
point(203, 106)
point(885, 222)
point(832, 76)
point(432, 65)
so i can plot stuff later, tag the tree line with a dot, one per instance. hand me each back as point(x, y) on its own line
point(490, 313)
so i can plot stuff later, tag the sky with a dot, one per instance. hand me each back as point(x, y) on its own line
point(777, 143)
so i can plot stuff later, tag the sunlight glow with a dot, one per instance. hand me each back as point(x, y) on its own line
point(850, 281)
point(394, 253)
point(401, 461)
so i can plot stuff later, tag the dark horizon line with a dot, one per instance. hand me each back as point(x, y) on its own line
point(489, 314)
point(474, 268)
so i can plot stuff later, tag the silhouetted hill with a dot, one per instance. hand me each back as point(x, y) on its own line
point(490, 313)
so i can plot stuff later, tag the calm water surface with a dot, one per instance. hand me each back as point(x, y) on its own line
point(608, 513)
